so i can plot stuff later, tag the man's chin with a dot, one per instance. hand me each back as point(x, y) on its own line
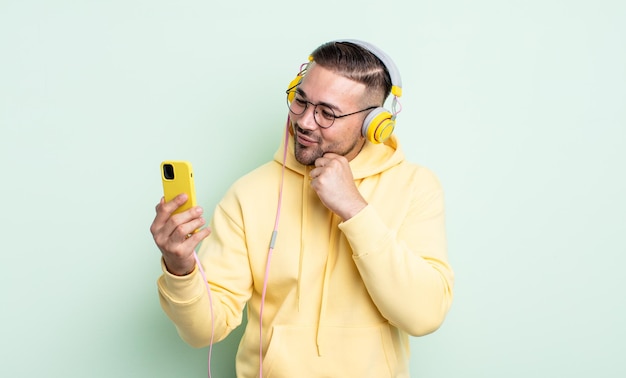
point(306, 156)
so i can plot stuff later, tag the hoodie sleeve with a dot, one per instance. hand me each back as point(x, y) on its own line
point(223, 255)
point(404, 264)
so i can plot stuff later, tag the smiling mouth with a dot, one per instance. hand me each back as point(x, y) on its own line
point(304, 139)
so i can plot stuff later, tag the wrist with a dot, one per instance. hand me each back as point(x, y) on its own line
point(179, 271)
point(353, 210)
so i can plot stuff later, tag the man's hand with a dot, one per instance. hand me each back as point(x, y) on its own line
point(174, 234)
point(333, 182)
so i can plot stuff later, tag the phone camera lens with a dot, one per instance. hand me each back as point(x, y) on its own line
point(168, 171)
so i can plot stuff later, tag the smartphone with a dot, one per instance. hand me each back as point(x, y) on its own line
point(177, 178)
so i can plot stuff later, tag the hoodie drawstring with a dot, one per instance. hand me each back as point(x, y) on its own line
point(328, 267)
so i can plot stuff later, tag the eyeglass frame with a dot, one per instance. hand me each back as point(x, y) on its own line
point(293, 89)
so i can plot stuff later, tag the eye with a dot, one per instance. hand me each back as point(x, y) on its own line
point(299, 102)
point(326, 113)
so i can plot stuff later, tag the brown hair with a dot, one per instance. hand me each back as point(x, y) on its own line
point(355, 63)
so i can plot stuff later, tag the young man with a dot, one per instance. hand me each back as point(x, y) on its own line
point(359, 262)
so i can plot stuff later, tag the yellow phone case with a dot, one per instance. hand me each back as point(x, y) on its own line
point(177, 178)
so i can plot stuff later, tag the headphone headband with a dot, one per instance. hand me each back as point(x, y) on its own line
point(394, 73)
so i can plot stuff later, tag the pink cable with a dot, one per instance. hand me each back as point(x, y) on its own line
point(208, 289)
point(271, 250)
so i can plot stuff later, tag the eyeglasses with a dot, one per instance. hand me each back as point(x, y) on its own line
point(323, 114)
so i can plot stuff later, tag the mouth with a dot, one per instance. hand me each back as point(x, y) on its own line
point(305, 139)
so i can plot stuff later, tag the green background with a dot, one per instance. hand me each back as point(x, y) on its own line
point(518, 106)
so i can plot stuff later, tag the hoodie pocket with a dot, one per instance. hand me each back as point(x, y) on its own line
point(343, 352)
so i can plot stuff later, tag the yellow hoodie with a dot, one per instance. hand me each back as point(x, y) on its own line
point(342, 297)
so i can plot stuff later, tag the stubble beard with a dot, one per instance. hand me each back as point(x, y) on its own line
point(308, 155)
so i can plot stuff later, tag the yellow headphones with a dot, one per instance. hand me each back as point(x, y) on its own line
point(380, 122)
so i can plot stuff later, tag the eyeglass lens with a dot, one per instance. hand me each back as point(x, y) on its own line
point(324, 116)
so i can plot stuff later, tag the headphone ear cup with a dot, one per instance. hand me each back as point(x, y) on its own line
point(291, 94)
point(378, 125)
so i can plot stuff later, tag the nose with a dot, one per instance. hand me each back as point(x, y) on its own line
point(306, 120)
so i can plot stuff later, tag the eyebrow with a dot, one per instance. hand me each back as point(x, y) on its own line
point(334, 107)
